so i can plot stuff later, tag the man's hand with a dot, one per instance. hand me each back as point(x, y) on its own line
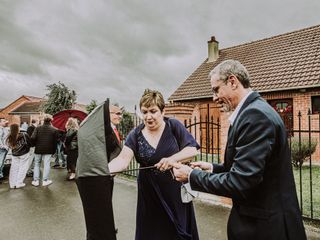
point(181, 172)
point(205, 166)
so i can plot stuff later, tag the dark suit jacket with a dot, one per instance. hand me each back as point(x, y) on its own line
point(257, 175)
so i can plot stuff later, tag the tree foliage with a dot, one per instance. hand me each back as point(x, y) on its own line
point(60, 97)
point(126, 124)
point(92, 105)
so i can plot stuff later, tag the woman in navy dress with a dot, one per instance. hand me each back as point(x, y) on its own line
point(160, 142)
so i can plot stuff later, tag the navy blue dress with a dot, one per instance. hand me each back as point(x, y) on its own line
point(161, 215)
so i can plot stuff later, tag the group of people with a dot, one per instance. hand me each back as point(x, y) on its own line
point(34, 145)
point(256, 173)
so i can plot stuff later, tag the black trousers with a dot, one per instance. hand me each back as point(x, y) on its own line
point(96, 196)
point(72, 156)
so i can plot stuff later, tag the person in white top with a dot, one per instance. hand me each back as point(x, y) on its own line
point(3, 146)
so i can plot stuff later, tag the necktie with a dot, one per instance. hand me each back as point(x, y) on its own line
point(117, 134)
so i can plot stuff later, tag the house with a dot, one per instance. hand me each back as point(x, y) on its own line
point(284, 69)
point(27, 108)
point(23, 109)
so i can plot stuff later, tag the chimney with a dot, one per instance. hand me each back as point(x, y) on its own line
point(213, 49)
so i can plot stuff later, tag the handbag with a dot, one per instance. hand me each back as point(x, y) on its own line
point(187, 194)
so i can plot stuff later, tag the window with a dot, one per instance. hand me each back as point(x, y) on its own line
point(315, 101)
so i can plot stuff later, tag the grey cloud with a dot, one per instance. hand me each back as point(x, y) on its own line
point(117, 48)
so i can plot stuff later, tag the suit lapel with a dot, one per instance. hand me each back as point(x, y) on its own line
point(253, 96)
point(230, 148)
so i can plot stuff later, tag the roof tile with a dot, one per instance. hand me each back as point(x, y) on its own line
point(285, 61)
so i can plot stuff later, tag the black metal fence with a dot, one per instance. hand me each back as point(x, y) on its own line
point(304, 140)
point(304, 144)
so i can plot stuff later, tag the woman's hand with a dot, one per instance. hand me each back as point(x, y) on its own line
point(165, 164)
point(204, 166)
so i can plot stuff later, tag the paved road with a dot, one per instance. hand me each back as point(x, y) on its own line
point(55, 212)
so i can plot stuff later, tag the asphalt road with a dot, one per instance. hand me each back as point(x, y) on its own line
point(55, 212)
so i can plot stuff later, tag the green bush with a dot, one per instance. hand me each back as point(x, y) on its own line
point(300, 150)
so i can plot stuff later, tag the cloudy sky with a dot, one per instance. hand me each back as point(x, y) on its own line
point(117, 48)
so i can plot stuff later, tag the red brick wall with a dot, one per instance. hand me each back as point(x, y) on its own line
point(301, 102)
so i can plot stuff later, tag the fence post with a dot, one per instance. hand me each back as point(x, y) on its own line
point(200, 135)
point(300, 165)
point(218, 135)
point(207, 136)
point(212, 139)
point(195, 128)
point(310, 162)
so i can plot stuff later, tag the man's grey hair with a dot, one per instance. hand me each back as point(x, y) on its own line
point(232, 67)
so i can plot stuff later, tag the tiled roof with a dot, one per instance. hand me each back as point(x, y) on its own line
point(28, 107)
point(287, 61)
point(34, 99)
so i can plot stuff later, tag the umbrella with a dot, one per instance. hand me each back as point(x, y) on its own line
point(93, 141)
point(60, 119)
point(96, 142)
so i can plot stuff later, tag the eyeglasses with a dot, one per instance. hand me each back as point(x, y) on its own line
point(117, 113)
point(215, 90)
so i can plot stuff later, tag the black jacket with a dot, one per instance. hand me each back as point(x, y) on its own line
point(45, 139)
point(257, 175)
point(22, 146)
point(30, 130)
point(71, 142)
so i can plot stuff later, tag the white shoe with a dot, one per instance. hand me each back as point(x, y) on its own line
point(46, 182)
point(72, 176)
point(35, 183)
point(21, 185)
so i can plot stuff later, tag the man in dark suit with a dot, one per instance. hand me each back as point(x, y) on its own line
point(256, 172)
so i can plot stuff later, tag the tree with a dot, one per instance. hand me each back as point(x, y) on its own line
point(60, 97)
point(92, 105)
point(126, 124)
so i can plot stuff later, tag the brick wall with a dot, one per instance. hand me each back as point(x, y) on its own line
point(301, 102)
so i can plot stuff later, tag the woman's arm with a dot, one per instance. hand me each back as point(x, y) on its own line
point(185, 155)
point(122, 161)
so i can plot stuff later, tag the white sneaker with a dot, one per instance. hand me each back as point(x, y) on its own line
point(35, 183)
point(46, 182)
point(21, 185)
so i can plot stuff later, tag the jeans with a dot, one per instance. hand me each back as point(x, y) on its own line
point(59, 155)
point(3, 154)
point(31, 160)
point(46, 166)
